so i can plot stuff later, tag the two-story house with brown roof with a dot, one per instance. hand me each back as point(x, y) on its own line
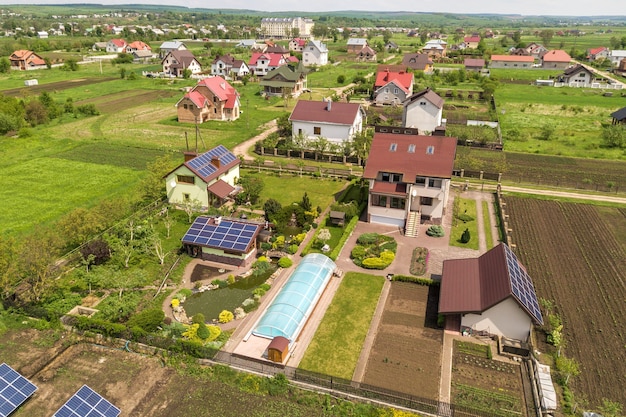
point(337, 122)
point(177, 61)
point(409, 179)
point(24, 60)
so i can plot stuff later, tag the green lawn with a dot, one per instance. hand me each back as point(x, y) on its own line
point(337, 344)
point(289, 188)
point(468, 207)
point(487, 225)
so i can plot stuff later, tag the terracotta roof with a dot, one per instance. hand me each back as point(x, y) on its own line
point(21, 53)
point(416, 61)
point(512, 58)
point(120, 43)
point(221, 188)
point(220, 87)
point(405, 79)
point(325, 112)
point(393, 82)
point(556, 56)
point(139, 45)
point(429, 95)
point(471, 39)
point(279, 343)
point(477, 284)
point(26, 55)
point(382, 157)
point(196, 98)
point(474, 62)
point(596, 51)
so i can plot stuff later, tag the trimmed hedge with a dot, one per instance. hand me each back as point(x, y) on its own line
point(416, 280)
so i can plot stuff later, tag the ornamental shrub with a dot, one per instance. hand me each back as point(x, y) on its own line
point(374, 263)
point(435, 231)
point(464, 217)
point(175, 302)
point(387, 256)
point(465, 237)
point(285, 262)
point(292, 249)
point(225, 316)
point(203, 332)
point(198, 318)
point(148, 320)
point(358, 252)
point(368, 238)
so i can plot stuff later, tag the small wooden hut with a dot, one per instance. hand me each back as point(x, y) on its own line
point(278, 349)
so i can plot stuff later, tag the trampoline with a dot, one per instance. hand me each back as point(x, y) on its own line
point(294, 303)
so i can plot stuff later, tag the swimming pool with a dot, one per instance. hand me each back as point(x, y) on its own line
point(290, 309)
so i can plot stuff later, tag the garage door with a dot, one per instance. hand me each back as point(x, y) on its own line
point(387, 220)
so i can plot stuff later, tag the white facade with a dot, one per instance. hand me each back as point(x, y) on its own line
point(335, 133)
point(422, 114)
point(283, 27)
point(315, 53)
point(179, 191)
point(616, 56)
point(506, 318)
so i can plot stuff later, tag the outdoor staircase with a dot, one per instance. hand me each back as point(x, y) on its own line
point(412, 224)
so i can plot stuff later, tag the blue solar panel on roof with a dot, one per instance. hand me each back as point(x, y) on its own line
point(222, 236)
point(87, 403)
point(240, 246)
point(14, 390)
point(522, 286)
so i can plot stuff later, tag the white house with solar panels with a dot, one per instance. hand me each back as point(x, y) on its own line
point(491, 294)
point(224, 240)
point(208, 179)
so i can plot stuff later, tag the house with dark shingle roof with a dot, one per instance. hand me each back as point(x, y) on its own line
point(392, 87)
point(409, 179)
point(208, 178)
point(417, 62)
point(619, 116)
point(337, 122)
point(474, 64)
point(211, 99)
point(577, 74)
point(284, 80)
point(423, 110)
point(177, 61)
point(492, 294)
point(228, 66)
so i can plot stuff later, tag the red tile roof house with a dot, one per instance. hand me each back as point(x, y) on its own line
point(211, 99)
point(511, 61)
point(208, 178)
point(137, 46)
point(470, 42)
point(297, 44)
point(491, 294)
point(409, 179)
point(24, 60)
point(556, 59)
point(116, 45)
point(598, 53)
point(262, 63)
point(335, 121)
point(392, 87)
point(177, 61)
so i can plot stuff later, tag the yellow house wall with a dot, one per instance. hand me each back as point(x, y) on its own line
point(197, 191)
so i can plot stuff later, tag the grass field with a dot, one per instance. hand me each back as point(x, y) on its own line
point(464, 206)
point(487, 225)
point(337, 344)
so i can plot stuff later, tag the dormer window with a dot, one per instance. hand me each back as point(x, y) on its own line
point(393, 147)
point(412, 148)
point(430, 150)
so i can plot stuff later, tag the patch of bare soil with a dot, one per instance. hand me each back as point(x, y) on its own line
point(406, 355)
point(205, 272)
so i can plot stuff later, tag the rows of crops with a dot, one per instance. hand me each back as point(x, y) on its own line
point(576, 261)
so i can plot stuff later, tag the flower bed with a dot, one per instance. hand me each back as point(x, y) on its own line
point(374, 251)
point(419, 261)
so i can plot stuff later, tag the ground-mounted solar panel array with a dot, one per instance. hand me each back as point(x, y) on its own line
point(14, 390)
point(87, 403)
point(522, 286)
point(202, 163)
point(228, 235)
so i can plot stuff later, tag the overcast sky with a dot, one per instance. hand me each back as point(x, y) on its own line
point(524, 7)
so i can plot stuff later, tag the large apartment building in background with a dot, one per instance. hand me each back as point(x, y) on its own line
point(286, 27)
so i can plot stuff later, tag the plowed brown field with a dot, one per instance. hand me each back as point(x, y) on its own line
point(577, 259)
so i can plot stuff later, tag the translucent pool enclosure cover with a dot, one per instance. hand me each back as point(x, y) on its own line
point(293, 305)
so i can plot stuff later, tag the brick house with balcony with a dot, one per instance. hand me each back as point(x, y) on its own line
point(211, 99)
point(409, 178)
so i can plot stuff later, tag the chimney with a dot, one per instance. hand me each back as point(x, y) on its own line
point(328, 104)
point(189, 155)
point(215, 161)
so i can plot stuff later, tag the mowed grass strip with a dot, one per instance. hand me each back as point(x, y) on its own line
point(337, 344)
point(110, 154)
point(487, 225)
point(466, 206)
point(43, 189)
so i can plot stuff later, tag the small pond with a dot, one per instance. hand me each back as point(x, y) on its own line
point(212, 303)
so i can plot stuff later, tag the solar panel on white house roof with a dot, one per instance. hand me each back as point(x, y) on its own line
point(14, 390)
point(87, 403)
point(227, 234)
point(522, 286)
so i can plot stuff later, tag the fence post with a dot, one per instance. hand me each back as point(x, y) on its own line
point(481, 174)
